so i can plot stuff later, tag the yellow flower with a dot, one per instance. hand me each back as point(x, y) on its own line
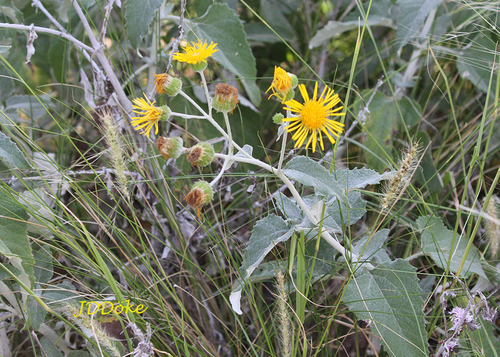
point(281, 85)
point(313, 117)
point(150, 115)
point(196, 54)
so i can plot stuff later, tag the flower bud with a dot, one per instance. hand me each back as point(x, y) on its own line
point(166, 113)
point(278, 118)
point(201, 154)
point(201, 193)
point(199, 66)
point(167, 84)
point(226, 98)
point(295, 80)
point(170, 147)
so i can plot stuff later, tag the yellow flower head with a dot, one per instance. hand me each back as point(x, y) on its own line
point(196, 53)
point(281, 85)
point(150, 115)
point(313, 117)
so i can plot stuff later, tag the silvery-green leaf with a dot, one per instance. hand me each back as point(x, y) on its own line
point(287, 207)
point(138, 16)
point(10, 153)
point(357, 178)
point(389, 296)
point(14, 237)
point(374, 248)
point(333, 28)
point(411, 18)
point(4, 49)
point(310, 173)
point(40, 213)
point(267, 233)
point(346, 214)
point(437, 243)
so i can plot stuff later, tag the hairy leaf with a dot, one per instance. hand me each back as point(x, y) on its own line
point(389, 296)
point(412, 17)
point(310, 173)
point(14, 240)
point(333, 28)
point(266, 234)
point(138, 16)
point(11, 153)
point(437, 243)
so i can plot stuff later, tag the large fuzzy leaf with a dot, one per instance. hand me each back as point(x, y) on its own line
point(389, 296)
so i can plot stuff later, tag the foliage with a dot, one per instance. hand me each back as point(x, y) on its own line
point(385, 243)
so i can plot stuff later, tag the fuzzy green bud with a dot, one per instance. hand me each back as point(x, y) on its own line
point(199, 66)
point(201, 154)
point(295, 80)
point(167, 84)
point(166, 113)
point(226, 98)
point(170, 147)
point(278, 118)
point(289, 95)
point(201, 193)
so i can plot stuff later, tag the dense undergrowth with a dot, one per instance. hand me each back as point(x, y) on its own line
point(145, 214)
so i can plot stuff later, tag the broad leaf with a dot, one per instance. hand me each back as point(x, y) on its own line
point(389, 296)
point(476, 62)
point(43, 268)
point(50, 348)
point(15, 244)
point(412, 17)
point(288, 207)
point(267, 233)
point(12, 154)
point(372, 247)
point(357, 178)
point(222, 26)
point(4, 49)
point(271, 13)
point(437, 243)
point(138, 16)
point(334, 28)
point(428, 173)
point(310, 173)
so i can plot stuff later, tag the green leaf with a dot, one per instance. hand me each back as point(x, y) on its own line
point(338, 214)
point(357, 178)
point(476, 62)
point(411, 18)
point(436, 243)
point(334, 28)
point(78, 354)
point(221, 25)
point(310, 173)
point(138, 17)
point(40, 213)
point(43, 269)
point(373, 248)
point(49, 348)
point(60, 294)
point(11, 153)
point(288, 207)
point(482, 341)
point(4, 49)
point(267, 233)
point(389, 296)
point(272, 14)
point(37, 313)
point(15, 244)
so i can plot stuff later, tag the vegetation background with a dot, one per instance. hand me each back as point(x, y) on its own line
point(90, 211)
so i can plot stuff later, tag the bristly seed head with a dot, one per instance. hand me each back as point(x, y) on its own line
point(399, 179)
